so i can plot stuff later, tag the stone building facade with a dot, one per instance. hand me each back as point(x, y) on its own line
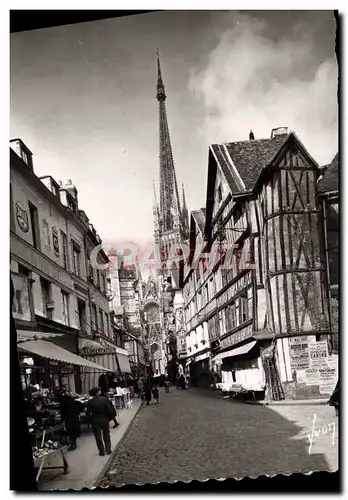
point(52, 242)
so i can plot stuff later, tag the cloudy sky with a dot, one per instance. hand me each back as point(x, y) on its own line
point(83, 100)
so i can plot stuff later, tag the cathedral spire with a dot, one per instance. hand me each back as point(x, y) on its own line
point(184, 207)
point(169, 196)
point(184, 212)
point(161, 95)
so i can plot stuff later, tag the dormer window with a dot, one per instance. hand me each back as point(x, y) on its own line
point(22, 151)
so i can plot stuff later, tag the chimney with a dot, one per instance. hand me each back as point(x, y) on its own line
point(68, 195)
point(68, 186)
point(251, 136)
point(279, 131)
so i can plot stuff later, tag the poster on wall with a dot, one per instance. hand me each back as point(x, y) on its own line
point(318, 354)
point(312, 376)
point(299, 353)
point(328, 376)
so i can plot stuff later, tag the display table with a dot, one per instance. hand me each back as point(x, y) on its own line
point(45, 461)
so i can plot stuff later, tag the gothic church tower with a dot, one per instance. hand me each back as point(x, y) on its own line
point(171, 227)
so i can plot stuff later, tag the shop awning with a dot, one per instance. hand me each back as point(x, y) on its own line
point(238, 351)
point(48, 350)
point(124, 363)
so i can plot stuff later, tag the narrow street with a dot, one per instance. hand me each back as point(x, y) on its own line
point(196, 435)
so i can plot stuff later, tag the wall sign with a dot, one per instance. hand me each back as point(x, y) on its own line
point(22, 217)
point(21, 307)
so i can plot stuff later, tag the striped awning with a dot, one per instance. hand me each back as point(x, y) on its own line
point(123, 361)
point(238, 351)
point(47, 350)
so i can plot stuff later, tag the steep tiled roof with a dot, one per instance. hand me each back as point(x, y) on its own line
point(224, 163)
point(199, 216)
point(249, 157)
point(331, 177)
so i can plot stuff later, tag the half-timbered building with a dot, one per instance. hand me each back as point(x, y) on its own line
point(268, 319)
point(328, 187)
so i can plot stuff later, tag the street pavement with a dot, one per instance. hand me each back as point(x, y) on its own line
point(195, 434)
point(85, 464)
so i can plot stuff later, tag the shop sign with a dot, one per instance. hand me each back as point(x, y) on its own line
point(299, 353)
point(318, 354)
point(22, 217)
point(236, 337)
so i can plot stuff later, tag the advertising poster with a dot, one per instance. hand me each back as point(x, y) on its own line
point(312, 376)
point(328, 376)
point(318, 354)
point(299, 353)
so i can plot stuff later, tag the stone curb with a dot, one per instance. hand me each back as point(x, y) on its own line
point(288, 403)
point(106, 466)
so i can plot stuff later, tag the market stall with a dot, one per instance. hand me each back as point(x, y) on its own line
point(47, 369)
point(113, 358)
point(241, 371)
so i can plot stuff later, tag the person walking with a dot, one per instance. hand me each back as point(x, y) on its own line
point(70, 413)
point(155, 394)
point(140, 388)
point(100, 410)
point(147, 390)
point(166, 385)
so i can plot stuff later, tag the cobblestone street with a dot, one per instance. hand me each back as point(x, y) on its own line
point(196, 435)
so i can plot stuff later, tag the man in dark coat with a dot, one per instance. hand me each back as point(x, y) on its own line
point(100, 411)
point(104, 383)
point(147, 389)
point(70, 410)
